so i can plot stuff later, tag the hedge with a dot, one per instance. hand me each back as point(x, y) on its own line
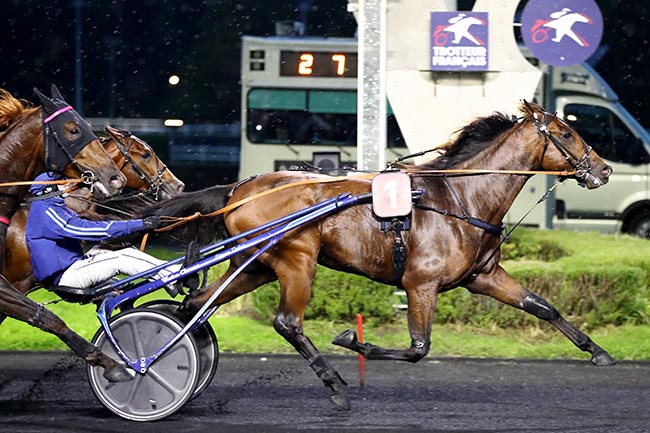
point(592, 279)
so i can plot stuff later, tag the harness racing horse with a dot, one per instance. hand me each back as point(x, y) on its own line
point(146, 176)
point(453, 238)
point(52, 137)
point(144, 171)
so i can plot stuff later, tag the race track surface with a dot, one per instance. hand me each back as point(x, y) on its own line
point(49, 392)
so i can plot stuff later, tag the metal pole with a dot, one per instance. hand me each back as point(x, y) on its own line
point(78, 5)
point(550, 180)
point(371, 93)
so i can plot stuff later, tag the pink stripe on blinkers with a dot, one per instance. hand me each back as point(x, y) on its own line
point(56, 113)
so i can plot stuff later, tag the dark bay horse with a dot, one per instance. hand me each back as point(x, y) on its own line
point(51, 137)
point(444, 251)
point(146, 175)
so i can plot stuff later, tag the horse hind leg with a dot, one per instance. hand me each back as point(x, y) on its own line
point(295, 274)
point(288, 325)
point(288, 321)
point(16, 305)
point(506, 289)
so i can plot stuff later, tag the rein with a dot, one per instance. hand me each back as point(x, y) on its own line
point(81, 179)
point(176, 221)
point(182, 220)
point(466, 171)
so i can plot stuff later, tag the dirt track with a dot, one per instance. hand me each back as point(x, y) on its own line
point(48, 392)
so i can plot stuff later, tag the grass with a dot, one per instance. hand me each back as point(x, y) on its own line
point(242, 334)
point(237, 331)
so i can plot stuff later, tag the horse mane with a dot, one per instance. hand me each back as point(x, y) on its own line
point(470, 140)
point(12, 109)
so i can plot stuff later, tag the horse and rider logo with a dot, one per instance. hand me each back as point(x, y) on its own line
point(459, 26)
point(562, 22)
point(562, 33)
point(459, 41)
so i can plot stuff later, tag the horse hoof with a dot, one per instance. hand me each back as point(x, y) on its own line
point(119, 373)
point(347, 338)
point(341, 401)
point(602, 359)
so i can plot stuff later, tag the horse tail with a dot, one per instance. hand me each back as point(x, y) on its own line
point(205, 229)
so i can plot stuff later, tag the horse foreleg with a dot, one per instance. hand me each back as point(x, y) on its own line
point(421, 306)
point(16, 305)
point(502, 287)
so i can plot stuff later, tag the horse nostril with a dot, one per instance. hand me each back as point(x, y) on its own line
point(117, 181)
point(180, 187)
point(606, 171)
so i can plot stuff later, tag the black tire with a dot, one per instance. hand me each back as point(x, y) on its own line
point(639, 224)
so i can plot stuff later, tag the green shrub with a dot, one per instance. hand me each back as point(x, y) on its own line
point(523, 246)
point(591, 279)
point(335, 296)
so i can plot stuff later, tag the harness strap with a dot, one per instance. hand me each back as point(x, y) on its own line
point(4, 220)
point(492, 229)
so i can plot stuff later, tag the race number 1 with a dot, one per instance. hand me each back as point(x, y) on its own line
point(391, 194)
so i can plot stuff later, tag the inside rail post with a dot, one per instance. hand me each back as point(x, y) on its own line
point(362, 369)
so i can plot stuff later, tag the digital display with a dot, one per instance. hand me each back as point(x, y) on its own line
point(318, 64)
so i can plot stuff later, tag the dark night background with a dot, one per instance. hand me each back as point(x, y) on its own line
point(131, 47)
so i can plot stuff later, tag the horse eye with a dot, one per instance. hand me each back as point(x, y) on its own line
point(146, 155)
point(74, 131)
point(566, 135)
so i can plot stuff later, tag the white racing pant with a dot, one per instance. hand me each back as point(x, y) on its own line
point(99, 264)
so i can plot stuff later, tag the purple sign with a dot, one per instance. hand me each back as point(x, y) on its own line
point(562, 32)
point(459, 41)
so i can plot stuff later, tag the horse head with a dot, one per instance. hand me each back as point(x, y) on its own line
point(143, 169)
point(71, 147)
point(565, 150)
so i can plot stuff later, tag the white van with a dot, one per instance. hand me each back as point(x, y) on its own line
point(585, 100)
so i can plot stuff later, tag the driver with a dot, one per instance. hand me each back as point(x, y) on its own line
point(54, 235)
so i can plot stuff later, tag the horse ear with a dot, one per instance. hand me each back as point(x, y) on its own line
point(529, 109)
point(114, 132)
point(47, 103)
point(56, 94)
point(533, 109)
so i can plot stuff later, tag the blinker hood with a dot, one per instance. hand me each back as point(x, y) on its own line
point(62, 147)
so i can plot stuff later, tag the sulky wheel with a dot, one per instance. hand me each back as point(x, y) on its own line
point(168, 383)
point(206, 341)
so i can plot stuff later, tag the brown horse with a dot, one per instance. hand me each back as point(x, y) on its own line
point(453, 238)
point(145, 174)
point(52, 137)
point(144, 171)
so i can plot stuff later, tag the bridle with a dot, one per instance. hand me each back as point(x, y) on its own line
point(153, 184)
point(581, 165)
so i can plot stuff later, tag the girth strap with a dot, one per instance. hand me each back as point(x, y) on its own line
point(399, 250)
